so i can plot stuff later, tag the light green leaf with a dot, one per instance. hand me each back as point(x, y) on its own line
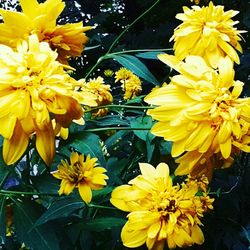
point(150, 55)
point(136, 66)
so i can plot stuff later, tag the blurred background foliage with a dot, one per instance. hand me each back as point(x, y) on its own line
point(52, 222)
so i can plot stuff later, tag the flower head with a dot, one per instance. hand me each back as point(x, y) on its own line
point(131, 84)
point(83, 173)
point(102, 92)
point(208, 32)
point(200, 109)
point(68, 40)
point(34, 88)
point(160, 211)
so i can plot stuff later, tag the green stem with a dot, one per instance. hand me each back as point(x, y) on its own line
point(120, 106)
point(99, 206)
point(4, 179)
point(130, 25)
point(10, 193)
point(118, 37)
point(138, 50)
point(114, 128)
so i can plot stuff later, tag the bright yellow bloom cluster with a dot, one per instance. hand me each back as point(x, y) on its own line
point(131, 84)
point(201, 112)
point(102, 92)
point(207, 32)
point(35, 87)
point(160, 211)
point(83, 173)
point(68, 40)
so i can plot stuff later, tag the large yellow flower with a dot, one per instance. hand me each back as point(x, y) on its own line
point(208, 32)
point(34, 87)
point(40, 19)
point(159, 211)
point(82, 173)
point(200, 109)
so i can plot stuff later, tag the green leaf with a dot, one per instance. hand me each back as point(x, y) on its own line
point(100, 224)
point(2, 220)
point(85, 143)
point(136, 66)
point(113, 140)
point(165, 147)
point(60, 208)
point(25, 214)
point(150, 146)
point(141, 122)
point(150, 55)
point(110, 120)
point(100, 194)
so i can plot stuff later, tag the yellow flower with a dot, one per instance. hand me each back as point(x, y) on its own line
point(34, 87)
point(196, 1)
point(200, 110)
point(82, 173)
point(160, 211)
point(131, 84)
point(101, 91)
point(68, 40)
point(208, 32)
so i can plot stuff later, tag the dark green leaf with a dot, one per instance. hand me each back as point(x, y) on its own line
point(86, 143)
point(60, 208)
point(2, 220)
point(100, 194)
point(165, 147)
point(150, 145)
point(144, 123)
point(115, 139)
point(136, 66)
point(100, 224)
point(110, 120)
point(39, 238)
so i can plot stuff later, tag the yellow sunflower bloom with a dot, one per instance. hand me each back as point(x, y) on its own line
point(35, 86)
point(83, 173)
point(131, 84)
point(200, 109)
point(208, 32)
point(68, 40)
point(160, 211)
point(102, 92)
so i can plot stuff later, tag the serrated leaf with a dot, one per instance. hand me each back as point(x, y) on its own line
point(100, 224)
point(25, 214)
point(60, 208)
point(136, 66)
point(150, 55)
point(2, 220)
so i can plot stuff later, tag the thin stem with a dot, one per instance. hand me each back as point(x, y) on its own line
point(4, 179)
point(9, 192)
point(120, 106)
point(99, 206)
point(114, 128)
point(118, 37)
point(130, 25)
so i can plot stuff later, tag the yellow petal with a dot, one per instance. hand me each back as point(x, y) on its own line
point(85, 192)
point(45, 143)
point(14, 147)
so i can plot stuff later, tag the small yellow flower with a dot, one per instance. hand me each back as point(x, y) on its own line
point(34, 88)
point(208, 32)
point(68, 40)
point(83, 173)
point(200, 111)
point(160, 211)
point(102, 93)
point(131, 84)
